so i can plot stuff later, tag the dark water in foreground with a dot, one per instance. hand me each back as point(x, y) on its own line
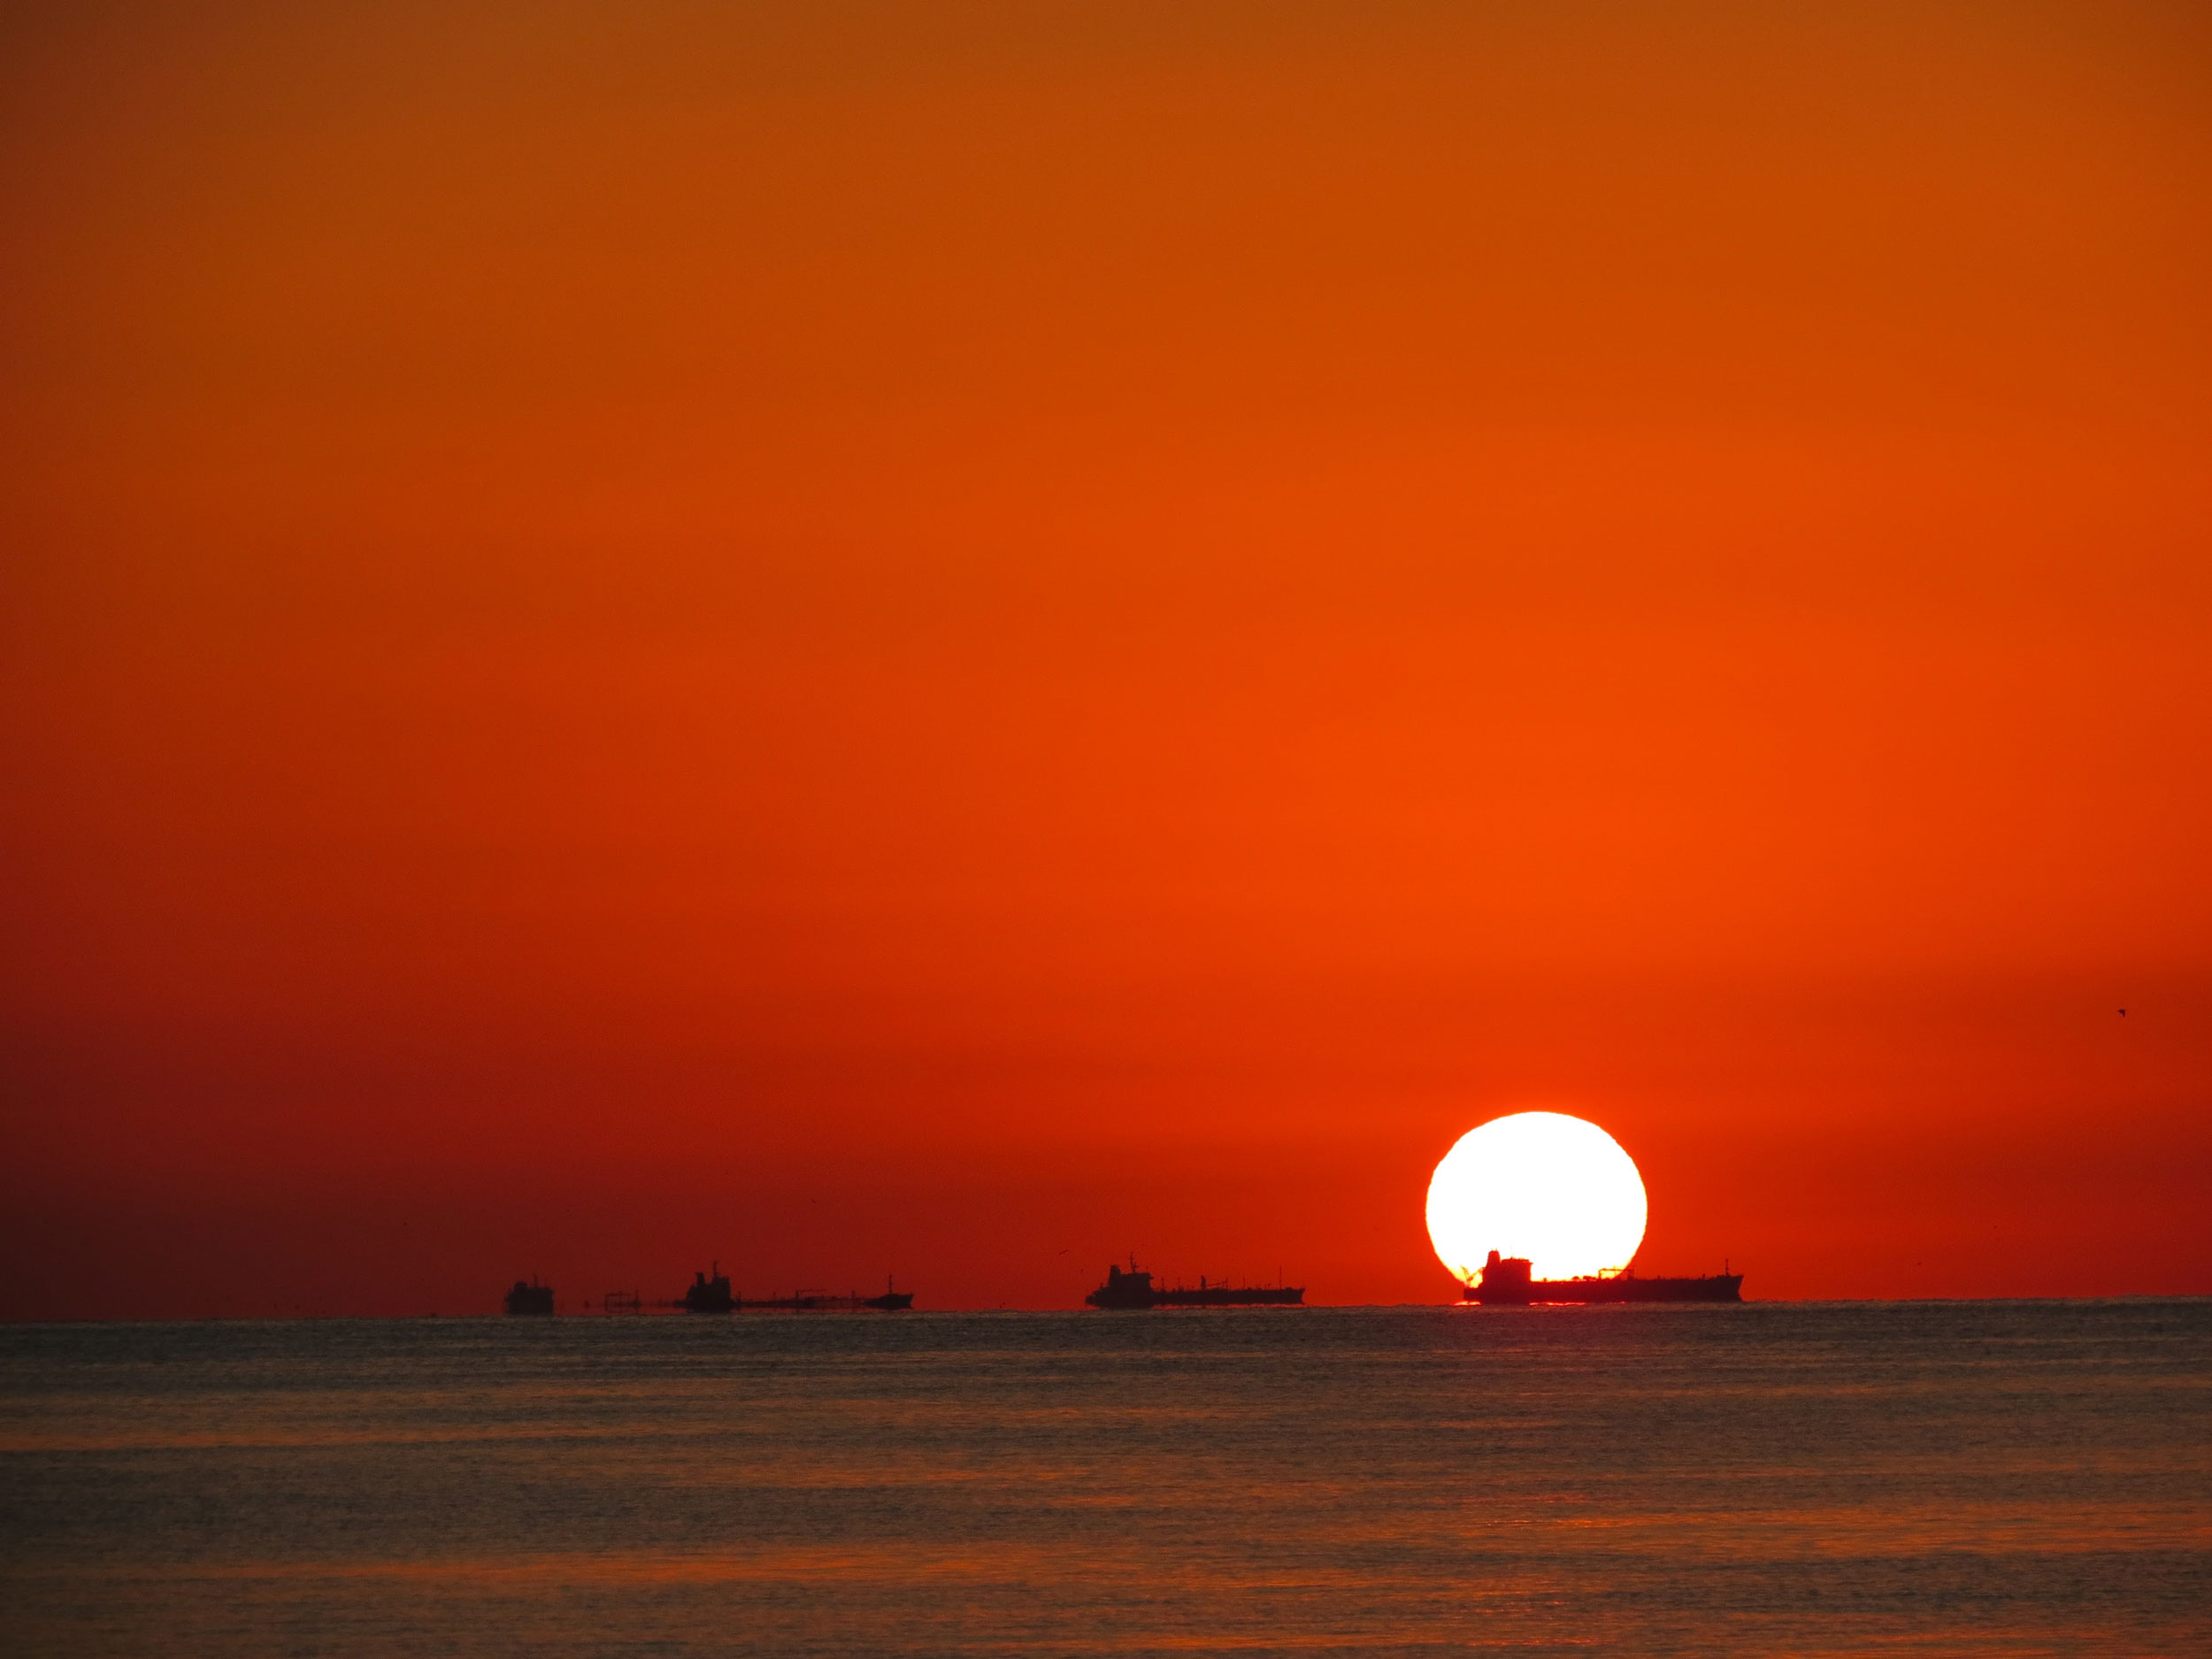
point(1926, 1477)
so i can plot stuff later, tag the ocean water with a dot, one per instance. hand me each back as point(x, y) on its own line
point(1926, 1477)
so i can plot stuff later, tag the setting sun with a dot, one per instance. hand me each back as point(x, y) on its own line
point(1555, 1189)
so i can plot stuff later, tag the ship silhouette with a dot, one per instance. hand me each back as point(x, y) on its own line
point(711, 1294)
point(530, 1297)
point(1506, 1280)
point(1136, 1289)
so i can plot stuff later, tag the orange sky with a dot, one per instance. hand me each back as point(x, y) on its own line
point(962, 640)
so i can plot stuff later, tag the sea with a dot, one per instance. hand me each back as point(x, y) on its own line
point(1893, 1478)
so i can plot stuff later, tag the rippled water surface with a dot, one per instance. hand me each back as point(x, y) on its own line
point(1925, 1477)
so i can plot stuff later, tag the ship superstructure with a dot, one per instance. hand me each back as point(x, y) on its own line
point(709, 1294)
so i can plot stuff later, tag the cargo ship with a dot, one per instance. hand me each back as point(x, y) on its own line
point(712, 1294)
point(530, 1297)
point(1506, 1280)
point(1136, 1289)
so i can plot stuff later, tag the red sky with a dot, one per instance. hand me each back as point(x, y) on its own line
point(857, 639)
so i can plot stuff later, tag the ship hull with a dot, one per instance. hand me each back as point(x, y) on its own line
point(1712, 1288)
point(1265, 1297)
point(822, 1302)
point(711, 1294)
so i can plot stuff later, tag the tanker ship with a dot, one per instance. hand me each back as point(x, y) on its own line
point(1136, 1289)
point(1506, 1279)
point(713, 1294)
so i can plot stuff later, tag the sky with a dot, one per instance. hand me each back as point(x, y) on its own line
point(962, 642)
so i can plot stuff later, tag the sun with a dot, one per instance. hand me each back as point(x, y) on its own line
point(1555, 1189)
